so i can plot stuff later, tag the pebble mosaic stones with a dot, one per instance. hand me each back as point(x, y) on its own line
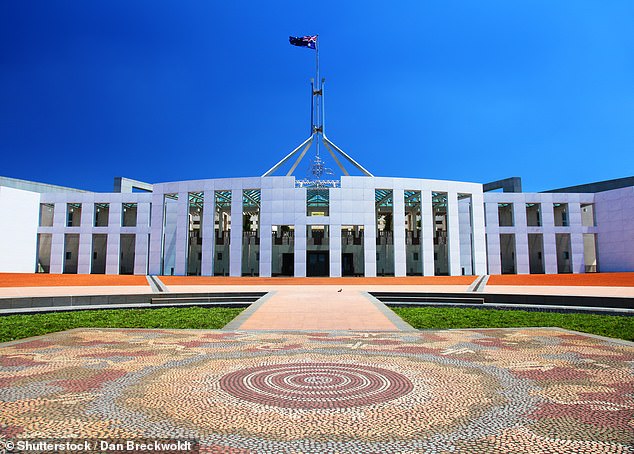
point(505, 390)
point(316, 385)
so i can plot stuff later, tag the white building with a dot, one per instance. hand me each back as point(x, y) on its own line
point(347, 226)
point(359, 225)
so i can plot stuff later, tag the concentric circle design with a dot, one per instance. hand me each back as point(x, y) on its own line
point(316, 385)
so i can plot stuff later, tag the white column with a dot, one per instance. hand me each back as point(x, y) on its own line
point(209, 207)
point(574, 215)
point(156, 233)
point(87, 216)
point(235, 248)
point(114, 216)
point(494, 259)
point(300, 250)
point(84, 255)
point(521, 238)
point(398, 217)
point(141, 243)
point(577, 253)
point(143, 216)
point(113, 242)
point(453, 234)
point(493, 238)
point(550, 245)
point(550, 253)
point(266, 249)
point(182, 231)
point(113, 247)
point(479, 234)
point(335, 250)
point(59, 215)
point(57, 238)
point(427, 231)
point(266, 229)
point(576, 238)
point(369, 248)
point(57, 253)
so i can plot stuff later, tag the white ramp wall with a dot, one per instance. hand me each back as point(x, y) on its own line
point(615, 221)
point(19, 218)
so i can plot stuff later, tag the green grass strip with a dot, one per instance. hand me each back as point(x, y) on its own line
point(26, 325)
point(620, 327)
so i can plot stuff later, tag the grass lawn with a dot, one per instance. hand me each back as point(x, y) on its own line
point(19, 326)
point(443, 318)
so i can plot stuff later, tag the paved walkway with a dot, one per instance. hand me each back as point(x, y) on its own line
point(318, 307)
point(460, 391)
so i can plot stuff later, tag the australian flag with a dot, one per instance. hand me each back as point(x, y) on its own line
point(304, 41)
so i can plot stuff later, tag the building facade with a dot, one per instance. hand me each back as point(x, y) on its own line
point(276, 226)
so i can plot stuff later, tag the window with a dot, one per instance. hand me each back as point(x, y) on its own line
point(169, 222)
point(73, 214)
point(561, 214)
point(195, 218)
point(533, 215)
point(46, 214)
point(384, 216)
point(128, 215)
point(588, 218)
point(505, 214)
point(562, 248)
point(102, 213)
point(317, 202)
point(250, 231)
point(222, 217)
point(43, 263)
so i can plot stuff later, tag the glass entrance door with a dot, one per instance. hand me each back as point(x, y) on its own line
point(317, 263)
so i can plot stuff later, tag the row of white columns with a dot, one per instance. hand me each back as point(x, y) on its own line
point(86, 230)
point(266, 246)
point(152, 263)
point(548, 230)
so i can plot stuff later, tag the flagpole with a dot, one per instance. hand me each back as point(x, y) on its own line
point(317, 61)
point(318, 111)
point(318, 126)
point(323, 108)
point(312, 107)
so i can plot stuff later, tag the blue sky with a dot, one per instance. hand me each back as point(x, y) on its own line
point(166, 91)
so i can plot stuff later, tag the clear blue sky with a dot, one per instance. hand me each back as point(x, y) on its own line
point(459, 90)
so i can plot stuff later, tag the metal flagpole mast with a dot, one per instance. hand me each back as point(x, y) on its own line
point(312, 107)
point(318, 127)
point(317, 92)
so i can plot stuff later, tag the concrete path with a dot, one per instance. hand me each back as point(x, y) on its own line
point(318, 307)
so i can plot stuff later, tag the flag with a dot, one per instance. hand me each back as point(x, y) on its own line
point(304, 41)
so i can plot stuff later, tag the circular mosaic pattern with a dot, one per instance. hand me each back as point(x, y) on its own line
point(316, 385)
